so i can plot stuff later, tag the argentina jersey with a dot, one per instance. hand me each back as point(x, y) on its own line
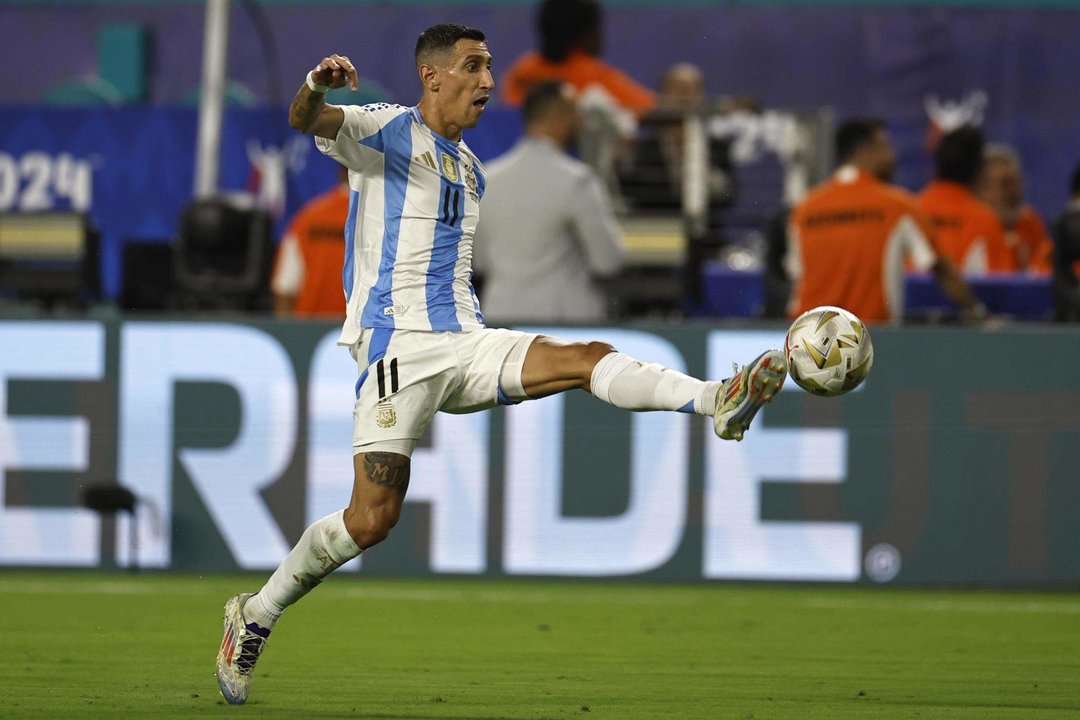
point(413, 210)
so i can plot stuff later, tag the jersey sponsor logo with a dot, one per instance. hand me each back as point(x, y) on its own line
point(840, 217)
point(393, 310)
point(449, 167)
point(426, 159)
point(953, 222)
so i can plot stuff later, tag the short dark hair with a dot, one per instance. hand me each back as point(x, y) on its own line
point(444, 37)
point(562, 24)
point(541, 98)
point(959, 155)
point(1074, 186)
point(855, 133)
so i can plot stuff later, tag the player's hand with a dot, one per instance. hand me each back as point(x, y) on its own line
point(336, 71)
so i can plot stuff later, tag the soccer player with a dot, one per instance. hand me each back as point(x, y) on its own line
point(414, 326)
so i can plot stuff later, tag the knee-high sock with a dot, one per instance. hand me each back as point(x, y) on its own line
point(633, 385)
point(322, 549)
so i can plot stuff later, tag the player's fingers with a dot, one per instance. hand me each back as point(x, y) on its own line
point(350, 71)
point(323, 71)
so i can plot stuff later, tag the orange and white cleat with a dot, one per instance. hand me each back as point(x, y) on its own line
point(744, 393)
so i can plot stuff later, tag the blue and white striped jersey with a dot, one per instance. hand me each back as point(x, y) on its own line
point(413, 210)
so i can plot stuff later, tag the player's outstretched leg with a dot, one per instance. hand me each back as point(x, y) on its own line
point(553, 366)
point(379, 485)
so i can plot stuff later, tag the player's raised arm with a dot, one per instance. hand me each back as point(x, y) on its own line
point(309, 112)
point(958, 290)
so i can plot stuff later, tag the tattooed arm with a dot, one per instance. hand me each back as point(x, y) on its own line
point(309, 112)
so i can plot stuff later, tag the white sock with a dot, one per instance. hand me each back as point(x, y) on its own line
point(322, 549)
point(633, 385)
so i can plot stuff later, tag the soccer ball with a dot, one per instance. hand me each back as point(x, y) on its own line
point(829, 351)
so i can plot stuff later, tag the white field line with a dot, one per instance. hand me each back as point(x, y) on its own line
point(643, 597)
point(996, 605)
point(96, 587)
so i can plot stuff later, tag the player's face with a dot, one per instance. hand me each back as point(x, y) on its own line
point(884, 156)
point(1003, 185)
point(466, 83)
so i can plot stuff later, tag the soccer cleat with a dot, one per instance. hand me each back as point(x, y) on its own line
point(742, 395)
point(240, 649)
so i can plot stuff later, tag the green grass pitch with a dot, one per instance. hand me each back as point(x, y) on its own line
point(78, 645)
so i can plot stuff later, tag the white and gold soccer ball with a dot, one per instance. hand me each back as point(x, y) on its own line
point(829, 351)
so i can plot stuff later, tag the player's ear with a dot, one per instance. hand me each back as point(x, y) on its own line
point(429, 76)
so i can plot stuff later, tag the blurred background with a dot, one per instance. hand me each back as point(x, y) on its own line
point(164, 236)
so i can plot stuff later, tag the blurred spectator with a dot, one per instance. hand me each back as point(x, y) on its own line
point(1067, 257)
point(571, 35)
point(307, 275)
point(969, 234)
point(1003, 189)
point(548, 235)
point(650, 175)
point(777, 282)
point(651, 171)
point(850, 237)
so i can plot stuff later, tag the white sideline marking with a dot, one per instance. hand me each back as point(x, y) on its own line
point(510, 596)
point(973, 605)
point(637, 596)
point(40, 587)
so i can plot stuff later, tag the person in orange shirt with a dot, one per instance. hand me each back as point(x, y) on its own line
point(968, 232)
point(570, 42)
point(848, 240)
point(1002, 189)
point(307, 273)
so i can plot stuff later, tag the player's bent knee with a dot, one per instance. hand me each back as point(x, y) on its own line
point(591, 354)
point(370, 526)
point(597, 349)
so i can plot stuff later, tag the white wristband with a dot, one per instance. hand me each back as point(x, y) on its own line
point(313, 86)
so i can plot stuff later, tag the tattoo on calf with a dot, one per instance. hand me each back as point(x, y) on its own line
point(387, 469)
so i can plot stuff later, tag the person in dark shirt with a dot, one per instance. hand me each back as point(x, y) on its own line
point(1067, 257)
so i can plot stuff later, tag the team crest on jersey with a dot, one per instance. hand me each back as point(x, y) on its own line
point(385, 416)
point(449, 167)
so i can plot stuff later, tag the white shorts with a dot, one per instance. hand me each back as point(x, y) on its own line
point(406, 376)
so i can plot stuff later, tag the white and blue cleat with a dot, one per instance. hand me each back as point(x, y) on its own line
point(744, 393)
point(240, 648)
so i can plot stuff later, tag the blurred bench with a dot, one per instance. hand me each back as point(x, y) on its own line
point(731, 293)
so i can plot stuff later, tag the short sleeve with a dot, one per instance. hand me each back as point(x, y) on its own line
point(916, 243)
point(360, 134)
point(289, 270)
point(793, 265)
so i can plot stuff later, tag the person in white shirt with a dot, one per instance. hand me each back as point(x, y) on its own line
point(549, 234)
point(415, 328)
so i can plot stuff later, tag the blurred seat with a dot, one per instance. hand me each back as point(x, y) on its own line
point(223, 256)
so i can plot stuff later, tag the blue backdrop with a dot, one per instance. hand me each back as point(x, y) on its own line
point(138, 165)
point(884, 60)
